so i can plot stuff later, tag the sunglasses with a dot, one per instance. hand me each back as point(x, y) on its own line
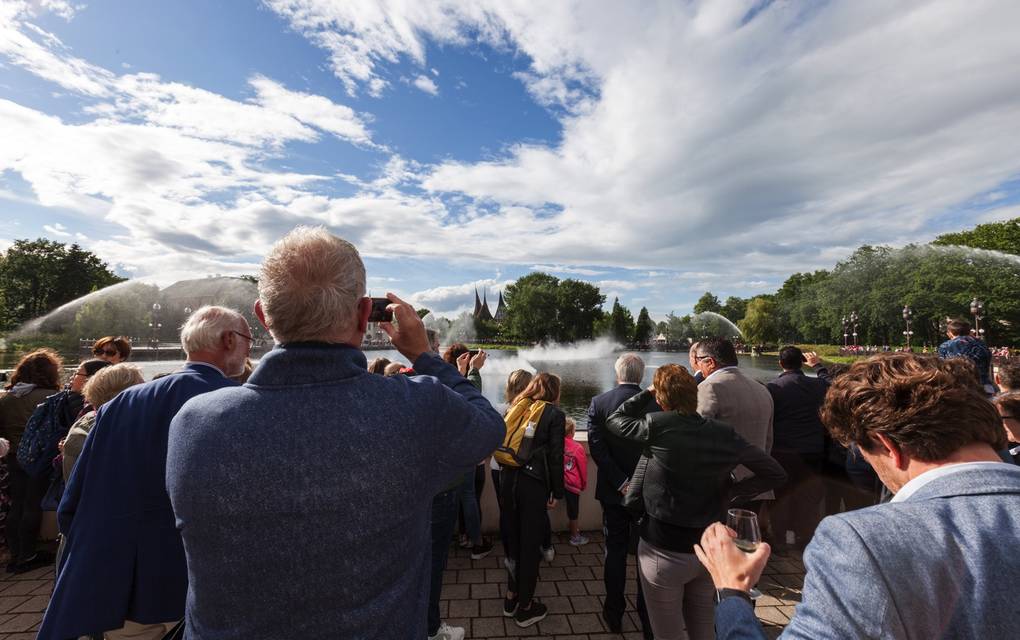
point(108, 352)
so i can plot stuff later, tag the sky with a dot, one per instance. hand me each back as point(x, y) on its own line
point(656, 149)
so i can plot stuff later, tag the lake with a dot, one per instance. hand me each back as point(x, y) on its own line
point(585, 372)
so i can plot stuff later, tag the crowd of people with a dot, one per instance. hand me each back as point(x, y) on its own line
point(321, 497)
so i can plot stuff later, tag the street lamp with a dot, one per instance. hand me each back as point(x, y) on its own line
point(155, 325)
point(846, 332)
point(907, 316)
point(854, 319)
point(977, 309)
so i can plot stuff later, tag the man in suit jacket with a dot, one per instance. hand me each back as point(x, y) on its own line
point(124, 571)
point(939, 560)
point(324, 474)
point(798, 445)
point(729, 396)
point(616, 459)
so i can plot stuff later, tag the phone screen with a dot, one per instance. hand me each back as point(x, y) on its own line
point(379, 311)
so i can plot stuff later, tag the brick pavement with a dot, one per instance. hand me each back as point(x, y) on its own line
point(571, 586)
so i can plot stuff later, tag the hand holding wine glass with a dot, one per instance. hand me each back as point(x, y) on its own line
point(730, 567)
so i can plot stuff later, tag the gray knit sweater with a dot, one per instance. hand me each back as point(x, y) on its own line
point(303, 497)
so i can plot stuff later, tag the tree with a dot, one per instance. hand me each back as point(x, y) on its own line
point(423, 312)
point(734, 309)
point(995, 236)
point(759, 324)
point(643, 328)
point(578, 306)
point(707, 302)
point(40, 275)
point(531, 306)
point(621, 323)
point(126, 311)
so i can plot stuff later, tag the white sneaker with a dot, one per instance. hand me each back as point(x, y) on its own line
point(548, 553)
point(446, 632)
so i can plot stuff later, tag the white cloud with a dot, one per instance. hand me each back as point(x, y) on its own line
point(452, 299)
point(560, 268)
point(56, 229)
point(313, 110)
point(427, 85)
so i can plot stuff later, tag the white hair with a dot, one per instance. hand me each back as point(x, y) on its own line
point(629, 368)
point(310, 285)
point(204, 328)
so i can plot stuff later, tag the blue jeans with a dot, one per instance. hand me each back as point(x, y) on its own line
point(469, 507)
point(444, 520)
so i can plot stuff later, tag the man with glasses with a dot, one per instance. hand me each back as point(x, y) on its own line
point(727, 395)
point(124, 573)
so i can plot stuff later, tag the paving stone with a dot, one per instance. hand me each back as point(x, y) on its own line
point(491, 607)
point(546, 589)
point(554, 624)
point(585, 604)
point(487, 627)
point(586, 623)
point(771, 614)
point(578, 573)
point(471, 576)
point(455, 592)
point(495, 575)
point(463, 609)
point(595, 587)
point(35, 604)
point(558, 604)
point(588, 560)
point(571, 588)
point(552, 574)
point(22, 587)
point(19, 622)
point(458, 563)
point(9, 602)
point(487, 590)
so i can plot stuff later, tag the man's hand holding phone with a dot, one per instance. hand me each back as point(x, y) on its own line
point(408, 333)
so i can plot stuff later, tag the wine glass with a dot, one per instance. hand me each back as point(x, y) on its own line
point(745, 524)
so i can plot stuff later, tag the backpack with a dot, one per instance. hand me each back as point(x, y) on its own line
point(520, 415)
point(42, 433)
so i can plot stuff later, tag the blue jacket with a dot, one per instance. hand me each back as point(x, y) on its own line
point(796, 401)
point(940, 564)
point(124, 559)
point(614, 456)
point(304, 497)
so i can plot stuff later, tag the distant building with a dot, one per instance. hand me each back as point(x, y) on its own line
point(481, 311)
point(500, 310)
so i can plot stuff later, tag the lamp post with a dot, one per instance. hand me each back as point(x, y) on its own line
point(854, 319)
point(846, 332)
point(155, 325)
point(907, 316)
point(977, 309)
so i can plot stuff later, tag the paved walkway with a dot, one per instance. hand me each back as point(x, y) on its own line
point(571, 586)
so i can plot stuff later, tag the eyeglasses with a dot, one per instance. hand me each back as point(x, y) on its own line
point(79, 373)
point(108, 352)
point(248, 338)
point(700, 358)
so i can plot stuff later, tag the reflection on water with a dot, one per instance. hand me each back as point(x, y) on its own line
point(582, 378)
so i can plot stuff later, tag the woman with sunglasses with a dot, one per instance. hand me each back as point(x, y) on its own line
point(112, 349)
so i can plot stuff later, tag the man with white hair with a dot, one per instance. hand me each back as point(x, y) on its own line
point(616, 459)
point(323, 474)
point(124, 572)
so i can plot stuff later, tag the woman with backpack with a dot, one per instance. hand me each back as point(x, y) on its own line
point(531, 482)
point(36, 377)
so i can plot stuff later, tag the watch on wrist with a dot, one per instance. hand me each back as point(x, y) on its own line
point(722, 594)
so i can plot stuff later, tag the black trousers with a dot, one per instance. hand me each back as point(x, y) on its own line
point(25, 516)
point(621, 538)
point(524, 514)
point(798, 503)
point(479, 487)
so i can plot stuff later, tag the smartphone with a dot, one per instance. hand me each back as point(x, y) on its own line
point(379, 311)
point(472, 353)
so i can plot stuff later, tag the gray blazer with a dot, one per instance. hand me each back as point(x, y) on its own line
point(746, 405)
point(941, 564)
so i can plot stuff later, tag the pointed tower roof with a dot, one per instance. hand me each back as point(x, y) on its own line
point(484, 313)
point(478, 304)
point(500, 309)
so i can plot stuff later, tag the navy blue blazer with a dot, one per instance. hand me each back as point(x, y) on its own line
point(615, 457)
point(124, 559)
point(796, 400)
point(940, 564)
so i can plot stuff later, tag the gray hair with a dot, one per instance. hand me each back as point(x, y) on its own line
point(205, 327)
point(106, 383)
point(629, 368)
point(310, 285)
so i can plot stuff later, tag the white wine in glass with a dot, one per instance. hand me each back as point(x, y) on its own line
point(745, 524)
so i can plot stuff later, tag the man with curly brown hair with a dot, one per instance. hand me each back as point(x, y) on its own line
point(939, 560)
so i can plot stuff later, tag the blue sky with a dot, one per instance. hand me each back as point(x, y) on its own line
point(658, 150)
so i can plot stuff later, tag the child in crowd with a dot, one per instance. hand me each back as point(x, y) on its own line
point(575, 479)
